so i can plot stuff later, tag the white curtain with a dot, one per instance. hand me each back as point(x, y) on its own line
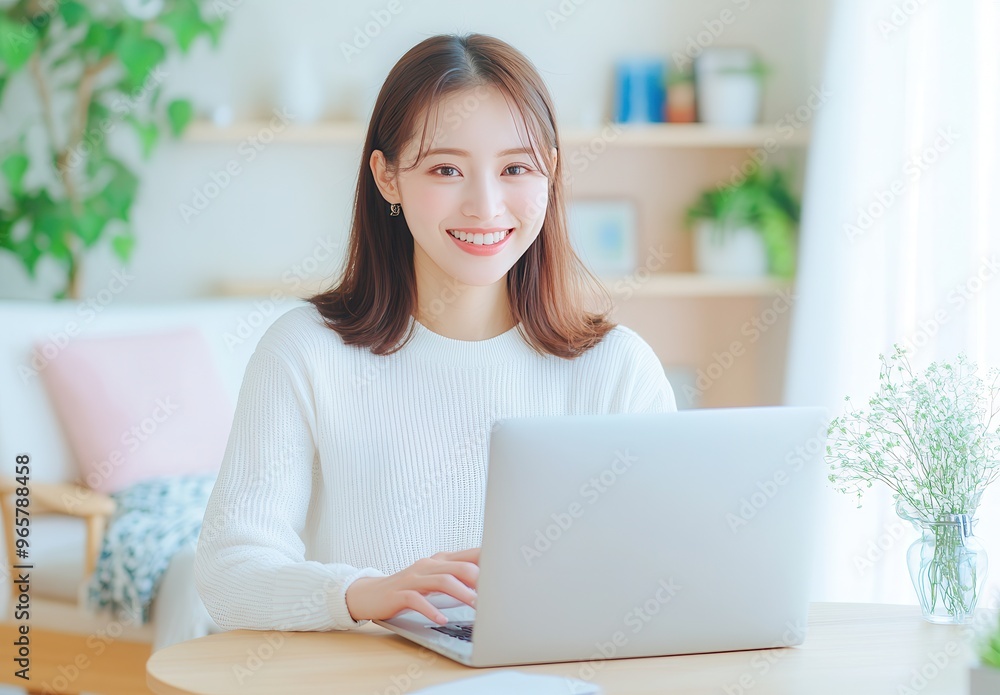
point(900, 243)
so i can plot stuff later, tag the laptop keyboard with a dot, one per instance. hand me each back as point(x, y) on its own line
point(460, 630)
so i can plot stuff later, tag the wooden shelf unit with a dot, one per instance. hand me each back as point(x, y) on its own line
point(729, 333)
point(619, 135)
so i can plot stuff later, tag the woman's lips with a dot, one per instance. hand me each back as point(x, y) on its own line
point(482, 249)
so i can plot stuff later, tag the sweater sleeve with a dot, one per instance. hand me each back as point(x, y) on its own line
point(651, 390)
point(250, 568)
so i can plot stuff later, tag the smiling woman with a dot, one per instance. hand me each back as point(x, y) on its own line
point(463, 139)
point(353, 486)
point(478, 198)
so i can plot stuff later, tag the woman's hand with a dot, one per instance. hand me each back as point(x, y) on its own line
point(381, 598)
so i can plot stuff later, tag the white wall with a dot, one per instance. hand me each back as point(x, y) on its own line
point(292, 196)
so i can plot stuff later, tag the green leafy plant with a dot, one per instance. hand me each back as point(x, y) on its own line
point(763, 201)
point(758, 68)
point(932, 439)
point(676, 77)
point(91, 71)
point(989, 651)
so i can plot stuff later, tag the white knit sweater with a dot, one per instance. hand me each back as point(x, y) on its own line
point(343, 464)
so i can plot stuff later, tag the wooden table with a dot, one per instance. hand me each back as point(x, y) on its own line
point(850, 648)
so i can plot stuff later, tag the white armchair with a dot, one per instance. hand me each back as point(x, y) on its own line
point(72, 650)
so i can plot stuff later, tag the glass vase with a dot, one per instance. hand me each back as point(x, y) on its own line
point(947, 565)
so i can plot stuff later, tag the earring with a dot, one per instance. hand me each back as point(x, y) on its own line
point(394, 209)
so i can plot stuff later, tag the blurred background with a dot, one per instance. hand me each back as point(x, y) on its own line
point(774, 191)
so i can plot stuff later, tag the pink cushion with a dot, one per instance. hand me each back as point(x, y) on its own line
point(139, 406)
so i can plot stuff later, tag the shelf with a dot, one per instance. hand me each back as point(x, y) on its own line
point(618, 135)
point(693, 285)
point(683, 135)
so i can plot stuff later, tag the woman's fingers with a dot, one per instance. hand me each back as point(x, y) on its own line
point(447, 584)
point(467, 572)
point(416, 601)
point(469, 555)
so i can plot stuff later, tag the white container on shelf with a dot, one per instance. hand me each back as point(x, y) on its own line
point(301, 90)
point(729, 99)
point(738, 252)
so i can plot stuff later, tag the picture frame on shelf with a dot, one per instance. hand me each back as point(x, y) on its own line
point(603, 233)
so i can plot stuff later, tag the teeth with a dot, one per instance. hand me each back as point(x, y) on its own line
point(480, 239)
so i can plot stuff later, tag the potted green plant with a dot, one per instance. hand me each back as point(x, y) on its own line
point(984, 677)
point(932, 439)
point(102, 62)
point(747, 228)
point(729, 83)
point(681, 104)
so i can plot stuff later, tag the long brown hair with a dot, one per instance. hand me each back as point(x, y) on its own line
point(547, 287)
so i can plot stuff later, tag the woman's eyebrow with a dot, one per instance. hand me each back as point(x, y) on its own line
point(465, 153)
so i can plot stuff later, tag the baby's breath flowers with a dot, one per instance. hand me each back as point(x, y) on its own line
point(933, 439)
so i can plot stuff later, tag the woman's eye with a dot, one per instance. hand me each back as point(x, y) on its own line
point(445, 168)
point(517, 166)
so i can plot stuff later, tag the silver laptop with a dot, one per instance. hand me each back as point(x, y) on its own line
point(617, 536)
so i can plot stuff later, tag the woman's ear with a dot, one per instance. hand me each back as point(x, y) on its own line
point(385, 181)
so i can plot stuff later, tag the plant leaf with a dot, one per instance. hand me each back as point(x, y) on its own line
point(139, 55)
point(180, 112)
point(17, 42)
point(101, 38)
point(73, 12)
point(89, 226)
point(214, 27)
point(120, 192)
point(6, 227)
point(123, 245)
point(186, 23)
point(148, 135)
point(29, 254)
point(14, 167)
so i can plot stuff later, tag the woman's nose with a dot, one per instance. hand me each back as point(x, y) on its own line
point(484, 200)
